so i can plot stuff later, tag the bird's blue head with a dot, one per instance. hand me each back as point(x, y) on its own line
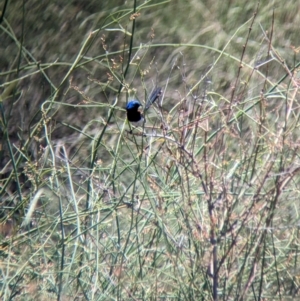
point(133, 105)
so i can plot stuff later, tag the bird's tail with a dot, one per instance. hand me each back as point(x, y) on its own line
point(152, 98)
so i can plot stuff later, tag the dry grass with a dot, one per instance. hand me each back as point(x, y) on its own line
point(201, 204)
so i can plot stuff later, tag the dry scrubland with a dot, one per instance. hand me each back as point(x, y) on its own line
point(202, 204)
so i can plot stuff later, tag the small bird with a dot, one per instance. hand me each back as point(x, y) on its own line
point(134, 115)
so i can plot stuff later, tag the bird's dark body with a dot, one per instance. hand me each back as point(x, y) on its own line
point(133, 113)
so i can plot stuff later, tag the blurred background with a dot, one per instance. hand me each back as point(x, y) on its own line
point(78, 190)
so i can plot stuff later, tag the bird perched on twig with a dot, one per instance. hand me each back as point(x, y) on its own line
point(134, 116)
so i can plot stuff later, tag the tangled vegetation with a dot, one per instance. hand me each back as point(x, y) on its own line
point(201, 203)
